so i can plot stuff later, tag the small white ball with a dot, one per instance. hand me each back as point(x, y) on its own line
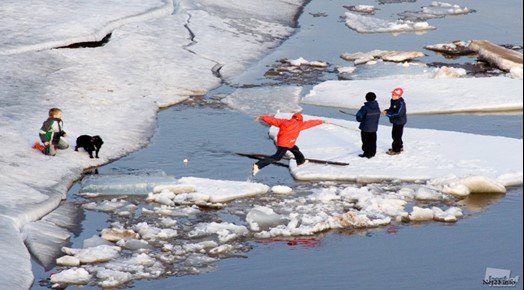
point(185, 160)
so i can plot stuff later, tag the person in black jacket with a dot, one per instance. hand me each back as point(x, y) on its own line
point(397, 116)
point(368, 116)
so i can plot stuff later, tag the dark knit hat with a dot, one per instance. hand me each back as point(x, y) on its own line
point(371, 96)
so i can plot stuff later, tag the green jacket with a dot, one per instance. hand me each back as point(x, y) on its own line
point(51, 130)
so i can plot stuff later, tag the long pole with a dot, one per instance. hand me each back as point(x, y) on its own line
point(347, 113)
point(352, 129)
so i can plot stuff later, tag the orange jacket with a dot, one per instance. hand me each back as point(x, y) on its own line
point(289, 129)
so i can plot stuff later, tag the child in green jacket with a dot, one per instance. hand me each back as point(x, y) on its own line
point(52, 132)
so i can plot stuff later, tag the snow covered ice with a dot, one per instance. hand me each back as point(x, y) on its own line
point(454, 95)
point(185, 48)
point(173, 48)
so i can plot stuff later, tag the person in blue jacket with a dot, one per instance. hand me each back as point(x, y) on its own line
point(368, 116)
point(398, 117)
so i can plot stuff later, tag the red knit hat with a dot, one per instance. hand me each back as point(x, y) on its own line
point(398, 91)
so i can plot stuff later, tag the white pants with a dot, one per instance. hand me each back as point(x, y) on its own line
point(51, 148)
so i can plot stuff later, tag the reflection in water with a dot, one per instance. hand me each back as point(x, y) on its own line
point(304, 242)
point(477, 202)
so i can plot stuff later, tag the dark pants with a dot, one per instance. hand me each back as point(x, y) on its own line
point(396, 134)
point(281, 151)
point(369, 143)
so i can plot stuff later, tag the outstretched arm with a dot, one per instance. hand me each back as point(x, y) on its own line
point(312, 123)
point(271, 120)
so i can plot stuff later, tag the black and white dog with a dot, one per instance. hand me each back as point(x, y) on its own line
point(90, 144)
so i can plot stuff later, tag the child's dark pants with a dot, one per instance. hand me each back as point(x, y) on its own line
point(281, 151)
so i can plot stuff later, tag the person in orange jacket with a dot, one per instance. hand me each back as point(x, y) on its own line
point(288, 132)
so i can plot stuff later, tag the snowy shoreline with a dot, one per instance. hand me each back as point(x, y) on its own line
point(100, 92)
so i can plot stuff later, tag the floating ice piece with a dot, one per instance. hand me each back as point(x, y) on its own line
point(466, 185)
point(363, 9)
point(491, 94)
point(198, 247)
point(368, 24)
point(483, 184)
point(346, 69)
point(174, 188)
point(443, 8)
point(301, 61)
point(457, 47)
point(511, 178)
point(225, 231)
point(224, 190)
point(128, 184)
point(114, 235)
point(325, 195)
point(222, 249)
point(263, 218)
point(419, 214)
point(435, 10)
point(111, 278)
point(102, 253)
point(149, 233)
point(68, 261)
point(164, 197)
point(393, 56)
point(503, 58)
point(424, 193)
point(281, 189)
point(389, 70)
point(450, 215)
point(456, 189)
point(134, 244)
point(358, 220)
point(76, 276)
point(445, 72)
point(106, 205)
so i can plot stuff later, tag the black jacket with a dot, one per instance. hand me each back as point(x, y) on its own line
point(368, 116)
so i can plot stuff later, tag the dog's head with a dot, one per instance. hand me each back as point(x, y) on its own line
point(97, 141)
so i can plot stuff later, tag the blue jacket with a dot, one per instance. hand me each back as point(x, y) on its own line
point(368, 116)
point(397, 112)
